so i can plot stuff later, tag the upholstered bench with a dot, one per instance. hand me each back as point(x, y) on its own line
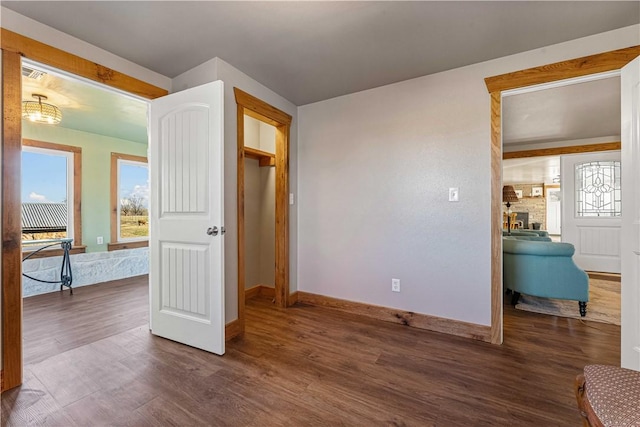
point(608, 396)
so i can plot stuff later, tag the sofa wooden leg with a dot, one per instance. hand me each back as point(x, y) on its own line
point(514, 298)
point(583, 308)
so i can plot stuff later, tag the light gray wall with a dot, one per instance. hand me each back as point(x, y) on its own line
point(217, 69)
point(267, 226)
point(259, 207)
point(252, 223)
point(374, 172)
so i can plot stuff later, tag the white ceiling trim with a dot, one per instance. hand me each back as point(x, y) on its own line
point(561, 83)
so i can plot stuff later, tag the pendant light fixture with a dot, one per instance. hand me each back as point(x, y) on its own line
point(41, 112)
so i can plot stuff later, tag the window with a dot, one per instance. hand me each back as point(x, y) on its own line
point(598, 189)
point(129, 201)
point(51, 180)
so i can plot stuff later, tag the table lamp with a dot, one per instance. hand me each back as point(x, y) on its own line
point(508, 196)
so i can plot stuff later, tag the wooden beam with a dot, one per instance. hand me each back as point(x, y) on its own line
point(11, 219)
point(49, 55)
point(558, 151)
point(415, 320)
point(593, 64)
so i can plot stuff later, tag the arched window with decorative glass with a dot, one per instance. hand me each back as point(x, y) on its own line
point(598, 189)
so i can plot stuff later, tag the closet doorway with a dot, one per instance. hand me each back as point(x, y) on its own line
point(263, 200)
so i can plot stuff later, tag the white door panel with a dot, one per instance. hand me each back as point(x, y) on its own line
point(186, 271)
point(554, 211)
point(596, 238)
point(630, 295)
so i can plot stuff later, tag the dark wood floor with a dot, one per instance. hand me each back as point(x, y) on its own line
point(90, 361)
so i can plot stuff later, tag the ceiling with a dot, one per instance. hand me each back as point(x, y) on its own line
point(531, 170)
point(573, 112)
point(89, 108)
point(567, 113)
point(310, 51)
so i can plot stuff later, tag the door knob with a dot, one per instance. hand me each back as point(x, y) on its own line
point(212, 231)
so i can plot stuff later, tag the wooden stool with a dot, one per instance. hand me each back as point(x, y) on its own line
point(608, 396)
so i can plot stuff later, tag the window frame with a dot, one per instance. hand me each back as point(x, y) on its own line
point(118, 243)
point(75, 171)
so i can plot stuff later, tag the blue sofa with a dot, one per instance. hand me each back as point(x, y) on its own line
point(526, 232)
point(544, 269)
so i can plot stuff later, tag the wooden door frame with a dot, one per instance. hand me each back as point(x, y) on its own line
point(260, 110)
point(14, 48)
point(579, 67)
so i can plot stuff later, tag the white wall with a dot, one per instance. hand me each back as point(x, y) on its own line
point(374, 173)
point(217, 69)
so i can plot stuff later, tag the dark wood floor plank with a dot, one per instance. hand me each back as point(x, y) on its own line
point(91, 360)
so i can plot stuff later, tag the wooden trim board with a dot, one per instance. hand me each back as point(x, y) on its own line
point(127, 245)
point(558, 151)
point(48, 253)
point(579, 67)
point(54, 57)
point(14, 47)
point(496, 221)
point(401, 317)
point(233, 329)
point(607, 61)
point(259, 290)
point(11, 219)
point(611, 277)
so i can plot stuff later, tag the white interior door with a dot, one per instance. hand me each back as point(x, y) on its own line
point(589, 199)
point(554, 211)
point(186, 239)
point(630, 295)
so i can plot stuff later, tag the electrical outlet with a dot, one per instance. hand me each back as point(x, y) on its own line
point(100, 240)
point(395, 285)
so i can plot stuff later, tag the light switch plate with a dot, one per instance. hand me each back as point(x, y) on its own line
point(291, 198)
point(453, 194)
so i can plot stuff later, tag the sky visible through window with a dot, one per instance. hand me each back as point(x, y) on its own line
point(44, 178)
point(134, 181)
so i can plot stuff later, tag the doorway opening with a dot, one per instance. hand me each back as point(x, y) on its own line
point(263, 143)
point(85, 179)
point(579, 116)
point(497, 85)
point(15, 48)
